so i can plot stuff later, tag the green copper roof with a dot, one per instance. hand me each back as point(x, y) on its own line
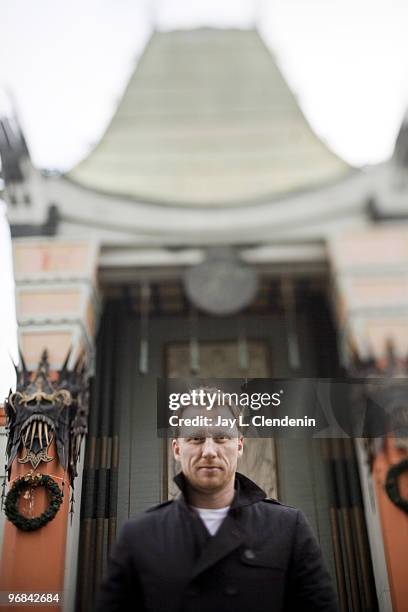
point(207, 119)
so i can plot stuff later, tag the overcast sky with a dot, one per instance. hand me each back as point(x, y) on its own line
point(8, 331)
point(65, 64)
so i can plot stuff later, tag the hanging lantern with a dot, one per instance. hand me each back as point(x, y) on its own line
point(144, 328)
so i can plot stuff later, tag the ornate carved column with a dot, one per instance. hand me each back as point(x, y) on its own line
point(370, 274)
point(57, 307)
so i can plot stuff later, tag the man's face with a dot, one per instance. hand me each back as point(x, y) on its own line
point(208, 455)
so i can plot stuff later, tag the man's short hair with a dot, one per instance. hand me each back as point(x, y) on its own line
point(233, 407)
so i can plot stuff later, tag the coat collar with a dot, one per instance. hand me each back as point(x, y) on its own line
point(246, 491)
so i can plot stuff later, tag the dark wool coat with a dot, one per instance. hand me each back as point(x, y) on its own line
point(263, 558)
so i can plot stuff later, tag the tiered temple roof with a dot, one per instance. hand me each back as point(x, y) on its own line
point(207, 119)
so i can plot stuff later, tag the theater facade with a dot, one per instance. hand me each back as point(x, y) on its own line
point(209, 234)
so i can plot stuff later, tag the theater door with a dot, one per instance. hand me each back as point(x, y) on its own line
point(128, 467)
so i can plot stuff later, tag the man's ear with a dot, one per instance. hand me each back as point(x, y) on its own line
point(176, 449)
point(240, 446)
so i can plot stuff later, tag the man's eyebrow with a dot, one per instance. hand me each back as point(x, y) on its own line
point(221, 431)
point(209, 432)
point(193, 433)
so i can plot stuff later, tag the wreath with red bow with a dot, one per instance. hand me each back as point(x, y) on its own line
point(13, 496)
point(392, 484)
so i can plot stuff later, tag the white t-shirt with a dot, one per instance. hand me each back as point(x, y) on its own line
point(212, 517)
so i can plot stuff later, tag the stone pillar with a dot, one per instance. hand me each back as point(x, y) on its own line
point(57, 310)
point(370, 274)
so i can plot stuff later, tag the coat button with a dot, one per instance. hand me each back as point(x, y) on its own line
point(231, 590)
point(249, 554)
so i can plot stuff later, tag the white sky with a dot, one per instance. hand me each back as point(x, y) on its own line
point(8, 327)
point(65, 64)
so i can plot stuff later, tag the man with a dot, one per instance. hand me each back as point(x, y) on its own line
point(221, 546)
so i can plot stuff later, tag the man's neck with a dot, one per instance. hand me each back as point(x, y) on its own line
point(211, 500)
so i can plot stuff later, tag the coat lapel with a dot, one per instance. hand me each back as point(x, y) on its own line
point(228, 538)
point(230, 535)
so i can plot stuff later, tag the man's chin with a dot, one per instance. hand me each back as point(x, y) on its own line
point(209, 480)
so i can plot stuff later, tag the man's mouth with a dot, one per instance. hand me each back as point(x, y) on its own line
point(211, 468)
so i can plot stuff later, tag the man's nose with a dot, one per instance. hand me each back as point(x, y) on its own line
point(209, 448)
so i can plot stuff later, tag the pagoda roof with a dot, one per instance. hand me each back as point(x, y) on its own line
point(207, 119)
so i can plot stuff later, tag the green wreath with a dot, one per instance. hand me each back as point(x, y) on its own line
point(392, 486)
point(13, 496)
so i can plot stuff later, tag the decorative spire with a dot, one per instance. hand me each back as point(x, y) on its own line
point(43, 410)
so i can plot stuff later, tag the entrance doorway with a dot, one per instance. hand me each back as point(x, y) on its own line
point(127, 466)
